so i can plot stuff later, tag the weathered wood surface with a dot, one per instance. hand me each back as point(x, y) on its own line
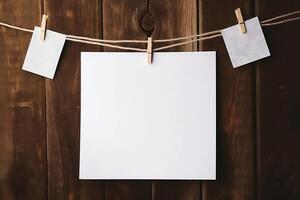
point(235, 109)
point(278, 100)
point(63, 100)
point(23, 159)
point(257, 105)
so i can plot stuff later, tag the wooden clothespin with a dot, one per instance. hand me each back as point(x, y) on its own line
point(240, 20)
point(43, 27)
point(149, 50)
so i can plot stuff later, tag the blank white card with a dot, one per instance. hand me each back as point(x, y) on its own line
point(148, 121)
point(42, 56)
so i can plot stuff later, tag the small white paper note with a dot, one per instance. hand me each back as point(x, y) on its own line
point(42, 56)
point(244, 48)
point(148, 121)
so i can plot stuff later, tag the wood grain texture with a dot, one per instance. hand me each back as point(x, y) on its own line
point(122, 20)
point(128, 190)
point(63, 100)
point(279, 106)
point(175, 18)
point(181, 190)
point(258, 130)
point(235, 109)
point(23, 171)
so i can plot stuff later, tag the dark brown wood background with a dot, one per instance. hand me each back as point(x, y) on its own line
point(258, 105)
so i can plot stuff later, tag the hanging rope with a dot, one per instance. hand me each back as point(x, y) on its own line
point(190, 39)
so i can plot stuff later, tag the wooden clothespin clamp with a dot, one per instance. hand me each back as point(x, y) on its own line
point(149, 50)
point(43, 27)
point(240, 20)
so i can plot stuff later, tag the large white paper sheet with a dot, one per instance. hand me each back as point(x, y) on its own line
point(148, 121)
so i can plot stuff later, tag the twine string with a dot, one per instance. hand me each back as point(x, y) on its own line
point(281, 16)
point(281, 22)
point(190, 39)
point(16, 27)
point(187, 42)
point(107, 45)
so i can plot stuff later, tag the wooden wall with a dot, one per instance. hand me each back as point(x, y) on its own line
point(258, 105)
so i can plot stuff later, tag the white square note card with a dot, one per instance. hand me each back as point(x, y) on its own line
point(244, 48)
point(148, 121)
point(42, 56)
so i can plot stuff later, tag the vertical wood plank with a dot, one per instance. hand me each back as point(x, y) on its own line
point(128, 190)
point(122, 20)
point(63, 100)
point(235, 108)
point(279, 105)
point(181, 190)
point(175, 18)
point(23, 170)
